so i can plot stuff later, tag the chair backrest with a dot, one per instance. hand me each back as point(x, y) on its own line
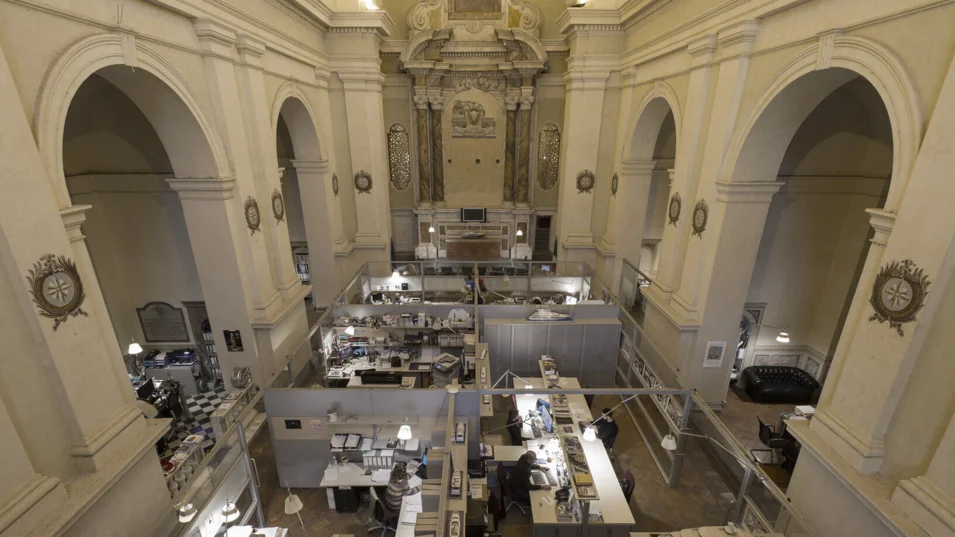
point(374, 496)
point(765, 432)
point(502, 476)
point(631, 484)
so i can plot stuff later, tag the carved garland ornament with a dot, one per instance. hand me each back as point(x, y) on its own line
point(701, 213)
point(898, 293)
point(253, 218)
point(278, 205)
point(676, 205)
point(363, 182)
point(585, 181)
point(56, 288)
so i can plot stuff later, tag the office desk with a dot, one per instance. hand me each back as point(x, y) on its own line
point(355, 382)
point(616, 511)
point(508, 453)
point(349, 475)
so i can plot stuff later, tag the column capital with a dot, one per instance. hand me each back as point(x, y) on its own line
point(208, 188)
point(702, 49)
point(590, 72)
point(739, 38)
point(311, 166)
point(421, 102)
point(526, 102)
point(437, 103)
point(250, 49)
point(73, 218)
point(637, 167)
point(322, 76)
point(882, 222)
point(747, 192)
point(214, 38)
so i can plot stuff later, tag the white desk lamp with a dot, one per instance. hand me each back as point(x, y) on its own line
point(669, 443)
point(404, 434)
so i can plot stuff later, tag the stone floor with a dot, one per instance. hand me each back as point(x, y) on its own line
point(702, 497)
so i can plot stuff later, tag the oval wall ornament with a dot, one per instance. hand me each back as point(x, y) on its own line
point(676, 205)
point(701, 213)
point(253, 219)
point(56, 288)
point(335, 183)
point(613, 184)
point(363, 182)
point(278, 205)
point(898, 293)
point(585, 181)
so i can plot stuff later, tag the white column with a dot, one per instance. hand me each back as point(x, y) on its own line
point(873, 362)
point(312, 183)
point(362, 81)
point(627, 215)
point(728, 247)
point(217, 233)
point(217, 43)
point(930, 499)
point(265, 163)
point(586, 81)
point(688, 154)
point(333, 202)
point(75, 356)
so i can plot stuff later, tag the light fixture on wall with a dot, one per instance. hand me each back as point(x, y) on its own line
point(134, 348)
point(186, 512)
point(519, 233)
point(783, 337)
point(230, 513)
point(431, 229)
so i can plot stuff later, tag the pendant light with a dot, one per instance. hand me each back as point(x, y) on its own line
point(186, 513)
point(134, 348)
point(783, 337)
point(230, 513)
point(669, 442)
point(589, 434)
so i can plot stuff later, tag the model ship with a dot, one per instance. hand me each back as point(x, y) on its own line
point(456, 480)
point(459, 433)
point(454, 524)
point(548, 315)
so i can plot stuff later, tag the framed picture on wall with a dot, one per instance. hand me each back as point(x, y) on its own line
point(233, 340)
point(714, 354)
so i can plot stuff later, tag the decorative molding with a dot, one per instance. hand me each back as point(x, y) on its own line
point(56, 288)
point(674, 208)
point(827, 42)
point(253, 218)
point(898, 293)
point(701, 213)
point(278, 205)
point(747, 192)
point(363, 182)
point(585, 182)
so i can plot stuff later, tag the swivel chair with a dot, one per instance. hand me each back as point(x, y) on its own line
point(381, 515)
point(504, 476)
point(771, 439)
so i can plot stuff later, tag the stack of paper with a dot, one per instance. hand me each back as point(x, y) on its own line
point(380, 476)
point(331, 474)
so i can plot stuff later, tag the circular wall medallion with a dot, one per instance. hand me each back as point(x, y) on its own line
point(613, 184)
point(278, 205)
point(363, 182)
point(701, 214)
point(585, 181)
point(335, 183)
point(676, 205)
point(898, 293)
point(252, 217)
point(56, 288)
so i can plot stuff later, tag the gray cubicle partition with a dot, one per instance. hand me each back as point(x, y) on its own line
point(585, 347)
point(301, 429)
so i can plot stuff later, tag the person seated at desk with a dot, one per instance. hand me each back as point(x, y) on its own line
point(514, 426)
point(607, 428)
point(398, 487)
point(520, 481)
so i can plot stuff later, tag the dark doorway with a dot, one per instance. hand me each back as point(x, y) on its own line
point(542, 239)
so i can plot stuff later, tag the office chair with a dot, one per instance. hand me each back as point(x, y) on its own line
point(503, 475)
point(381, 515)
point(628, 483)
point(773, 441)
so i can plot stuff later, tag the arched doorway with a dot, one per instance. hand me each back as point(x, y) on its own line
point(826, 142)
point(126, 134)
point(649, 159)
point(305, 190)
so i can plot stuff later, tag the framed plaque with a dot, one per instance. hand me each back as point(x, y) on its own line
point(163, 323)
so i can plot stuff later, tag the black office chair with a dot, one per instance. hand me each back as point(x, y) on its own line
point(772, 440)
point(503, 476)
point(382, 516)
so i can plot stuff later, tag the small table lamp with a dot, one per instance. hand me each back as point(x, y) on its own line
point(404, 434)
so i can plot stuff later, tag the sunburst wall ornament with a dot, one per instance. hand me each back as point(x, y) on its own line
point(363, 182)
point(676, 205)
point(56, 288)
point(898, 293)
point(701, 213)
point(585, 181)
point(335, 183)
point(613, 184)
point(253, 218)
point(278, 205)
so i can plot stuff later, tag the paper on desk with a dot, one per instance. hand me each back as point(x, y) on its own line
point(414, 481)
point(476, 492)
point(410, 518)
point(381, 476)
point(413, 503)
point(331, 474)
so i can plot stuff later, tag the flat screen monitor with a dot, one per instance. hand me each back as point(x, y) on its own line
point(474, 215)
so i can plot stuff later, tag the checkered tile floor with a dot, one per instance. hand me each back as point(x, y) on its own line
point(201, 407)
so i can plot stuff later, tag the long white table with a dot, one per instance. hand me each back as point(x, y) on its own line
point(617, 518)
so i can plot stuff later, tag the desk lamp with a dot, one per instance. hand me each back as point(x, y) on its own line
point(404, 434)
point(590, 433)
point(186, 512)
point(293, 504)
point(230, 513)
point(669, 443)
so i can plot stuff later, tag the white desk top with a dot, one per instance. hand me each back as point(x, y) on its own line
point(612, 503)
point(355, 382)
point(349, 475)
point(508, 453)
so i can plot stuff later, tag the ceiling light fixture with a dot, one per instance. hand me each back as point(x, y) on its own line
point(783, 337)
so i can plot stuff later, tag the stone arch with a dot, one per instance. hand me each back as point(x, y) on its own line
point(292, 104)
point(648, 119)
point(173, 108)
point(795, 90)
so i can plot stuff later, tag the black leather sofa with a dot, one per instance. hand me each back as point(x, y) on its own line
point(781, 384)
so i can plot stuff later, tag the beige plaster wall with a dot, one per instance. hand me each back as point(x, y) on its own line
point(467, 182)
point(605, 156)
point(343, 167)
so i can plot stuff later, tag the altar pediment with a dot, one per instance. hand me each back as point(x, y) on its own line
point(474, 20)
